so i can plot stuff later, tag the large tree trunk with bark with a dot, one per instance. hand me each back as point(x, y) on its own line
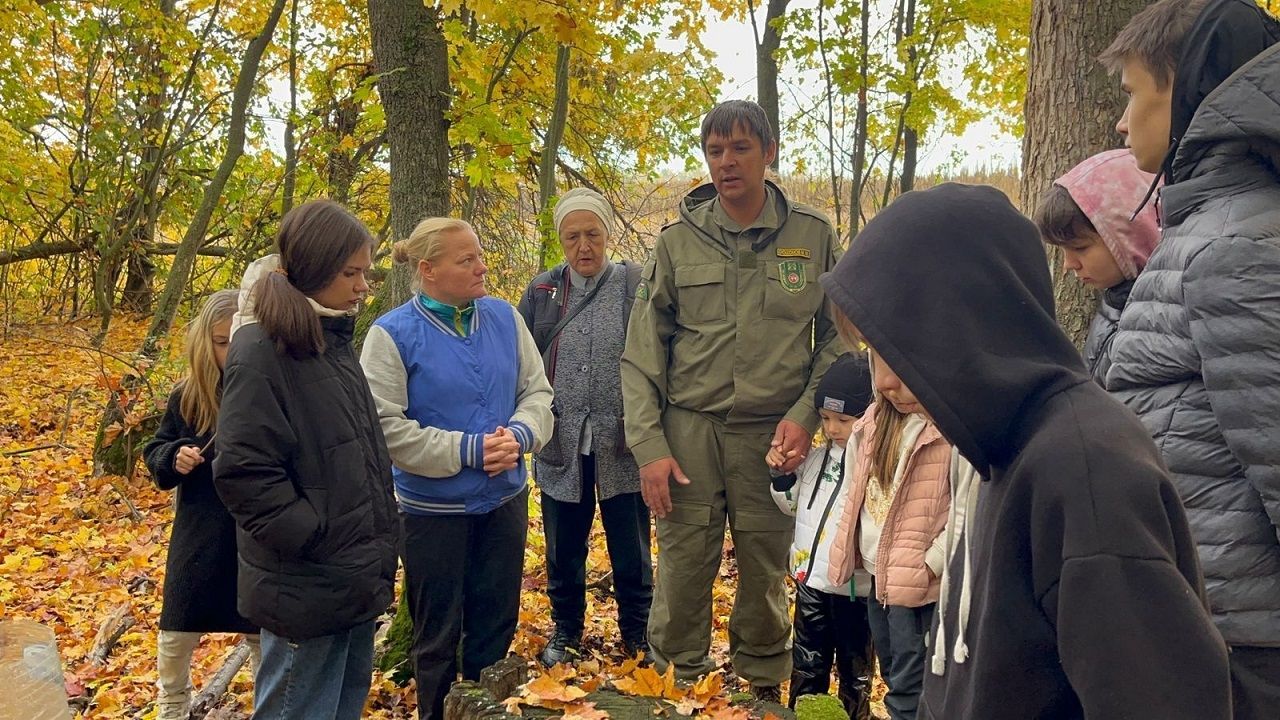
point(1066, 38)
point(413, 81)
point(767, 67)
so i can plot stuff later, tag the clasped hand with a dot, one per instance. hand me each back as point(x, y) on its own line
point(501, 452)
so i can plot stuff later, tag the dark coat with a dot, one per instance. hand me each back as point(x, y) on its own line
point(200, 573)
point(303, 467)
point(1085, 596)
point(1197, 353)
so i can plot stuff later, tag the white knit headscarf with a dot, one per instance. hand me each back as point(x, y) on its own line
point(584, 199)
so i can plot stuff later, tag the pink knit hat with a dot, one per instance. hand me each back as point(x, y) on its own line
point(1107, 187)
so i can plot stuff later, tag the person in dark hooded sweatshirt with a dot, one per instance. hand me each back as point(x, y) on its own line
point(1197, 352)
point(1074, 591)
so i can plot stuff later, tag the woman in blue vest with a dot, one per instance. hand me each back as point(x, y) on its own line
point(461, 396)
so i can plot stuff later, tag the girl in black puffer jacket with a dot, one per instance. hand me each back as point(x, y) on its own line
point(303, 467)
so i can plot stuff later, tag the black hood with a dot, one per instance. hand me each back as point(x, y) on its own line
point(951, 288)
point(1226, 35)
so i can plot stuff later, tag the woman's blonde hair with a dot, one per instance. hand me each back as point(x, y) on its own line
point(424, 242)
point(201, 388)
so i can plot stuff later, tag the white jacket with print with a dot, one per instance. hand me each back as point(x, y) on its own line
point(816, 501)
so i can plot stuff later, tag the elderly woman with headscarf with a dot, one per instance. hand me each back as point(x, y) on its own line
point(577, 312)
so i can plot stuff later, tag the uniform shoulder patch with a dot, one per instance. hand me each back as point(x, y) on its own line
point(791, 275)
point(795, 252)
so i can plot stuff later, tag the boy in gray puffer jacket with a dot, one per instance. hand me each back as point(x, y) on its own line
point(1197, 355)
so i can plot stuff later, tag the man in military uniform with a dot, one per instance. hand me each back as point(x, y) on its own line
point(728, 339)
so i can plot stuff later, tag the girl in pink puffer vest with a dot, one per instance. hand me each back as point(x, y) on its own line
point(893, 525)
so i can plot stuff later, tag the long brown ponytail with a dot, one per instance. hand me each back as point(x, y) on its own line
point(316, 239)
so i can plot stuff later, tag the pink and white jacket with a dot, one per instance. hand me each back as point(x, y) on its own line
point(910, 555)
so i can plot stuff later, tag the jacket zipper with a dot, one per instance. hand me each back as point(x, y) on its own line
point(826, 455)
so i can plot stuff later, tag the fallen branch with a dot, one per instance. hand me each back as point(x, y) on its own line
point(62, 436)
point(504, 677)
point(37, 448)
point(134, 514)
point(211, 694)
point(116, 624)
point(604, 583)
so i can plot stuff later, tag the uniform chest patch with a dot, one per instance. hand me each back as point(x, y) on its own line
point(791, 275)
point(798, 252)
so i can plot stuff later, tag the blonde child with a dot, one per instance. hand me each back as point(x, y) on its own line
point(200, 575)
point(892, 526)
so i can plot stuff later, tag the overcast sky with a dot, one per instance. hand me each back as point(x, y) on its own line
point(733, 42)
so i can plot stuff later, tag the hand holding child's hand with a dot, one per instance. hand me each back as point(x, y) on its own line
point(793, 441)
point(187, 459)
point(775, 459)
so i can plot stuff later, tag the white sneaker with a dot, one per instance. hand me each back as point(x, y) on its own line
point(170, 709)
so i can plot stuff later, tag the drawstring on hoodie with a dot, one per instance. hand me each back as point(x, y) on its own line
point(964, 493)
point(1155, 183)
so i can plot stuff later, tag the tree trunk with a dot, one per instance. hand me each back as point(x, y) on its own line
point(116, 450)
point(829, 101)
point(412, 62)
point(291, 122)
point(413, 81)
point(910, 138)
point(547, 167)
point(767, 68)
point(1066, 37)
point(138, 293)
point(860, 125)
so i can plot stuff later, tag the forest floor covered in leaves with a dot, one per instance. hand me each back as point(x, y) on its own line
point(76, 549)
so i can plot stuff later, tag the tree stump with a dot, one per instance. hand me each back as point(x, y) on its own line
point(484, 700)
point(503, 678)
point(468, 701)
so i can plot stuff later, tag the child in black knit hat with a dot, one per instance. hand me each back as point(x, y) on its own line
point(829, 622)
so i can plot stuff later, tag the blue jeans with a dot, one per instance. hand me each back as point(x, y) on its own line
point(324, 678)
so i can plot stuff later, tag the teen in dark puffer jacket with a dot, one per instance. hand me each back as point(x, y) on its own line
point(303, 468)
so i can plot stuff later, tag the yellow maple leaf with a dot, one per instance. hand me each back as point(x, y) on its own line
point(565, 28)
point(646, 682)
point(548, 692)
point(708, 686)
point(643, 681)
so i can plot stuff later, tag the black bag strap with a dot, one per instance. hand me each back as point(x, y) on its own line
point(573, 312)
